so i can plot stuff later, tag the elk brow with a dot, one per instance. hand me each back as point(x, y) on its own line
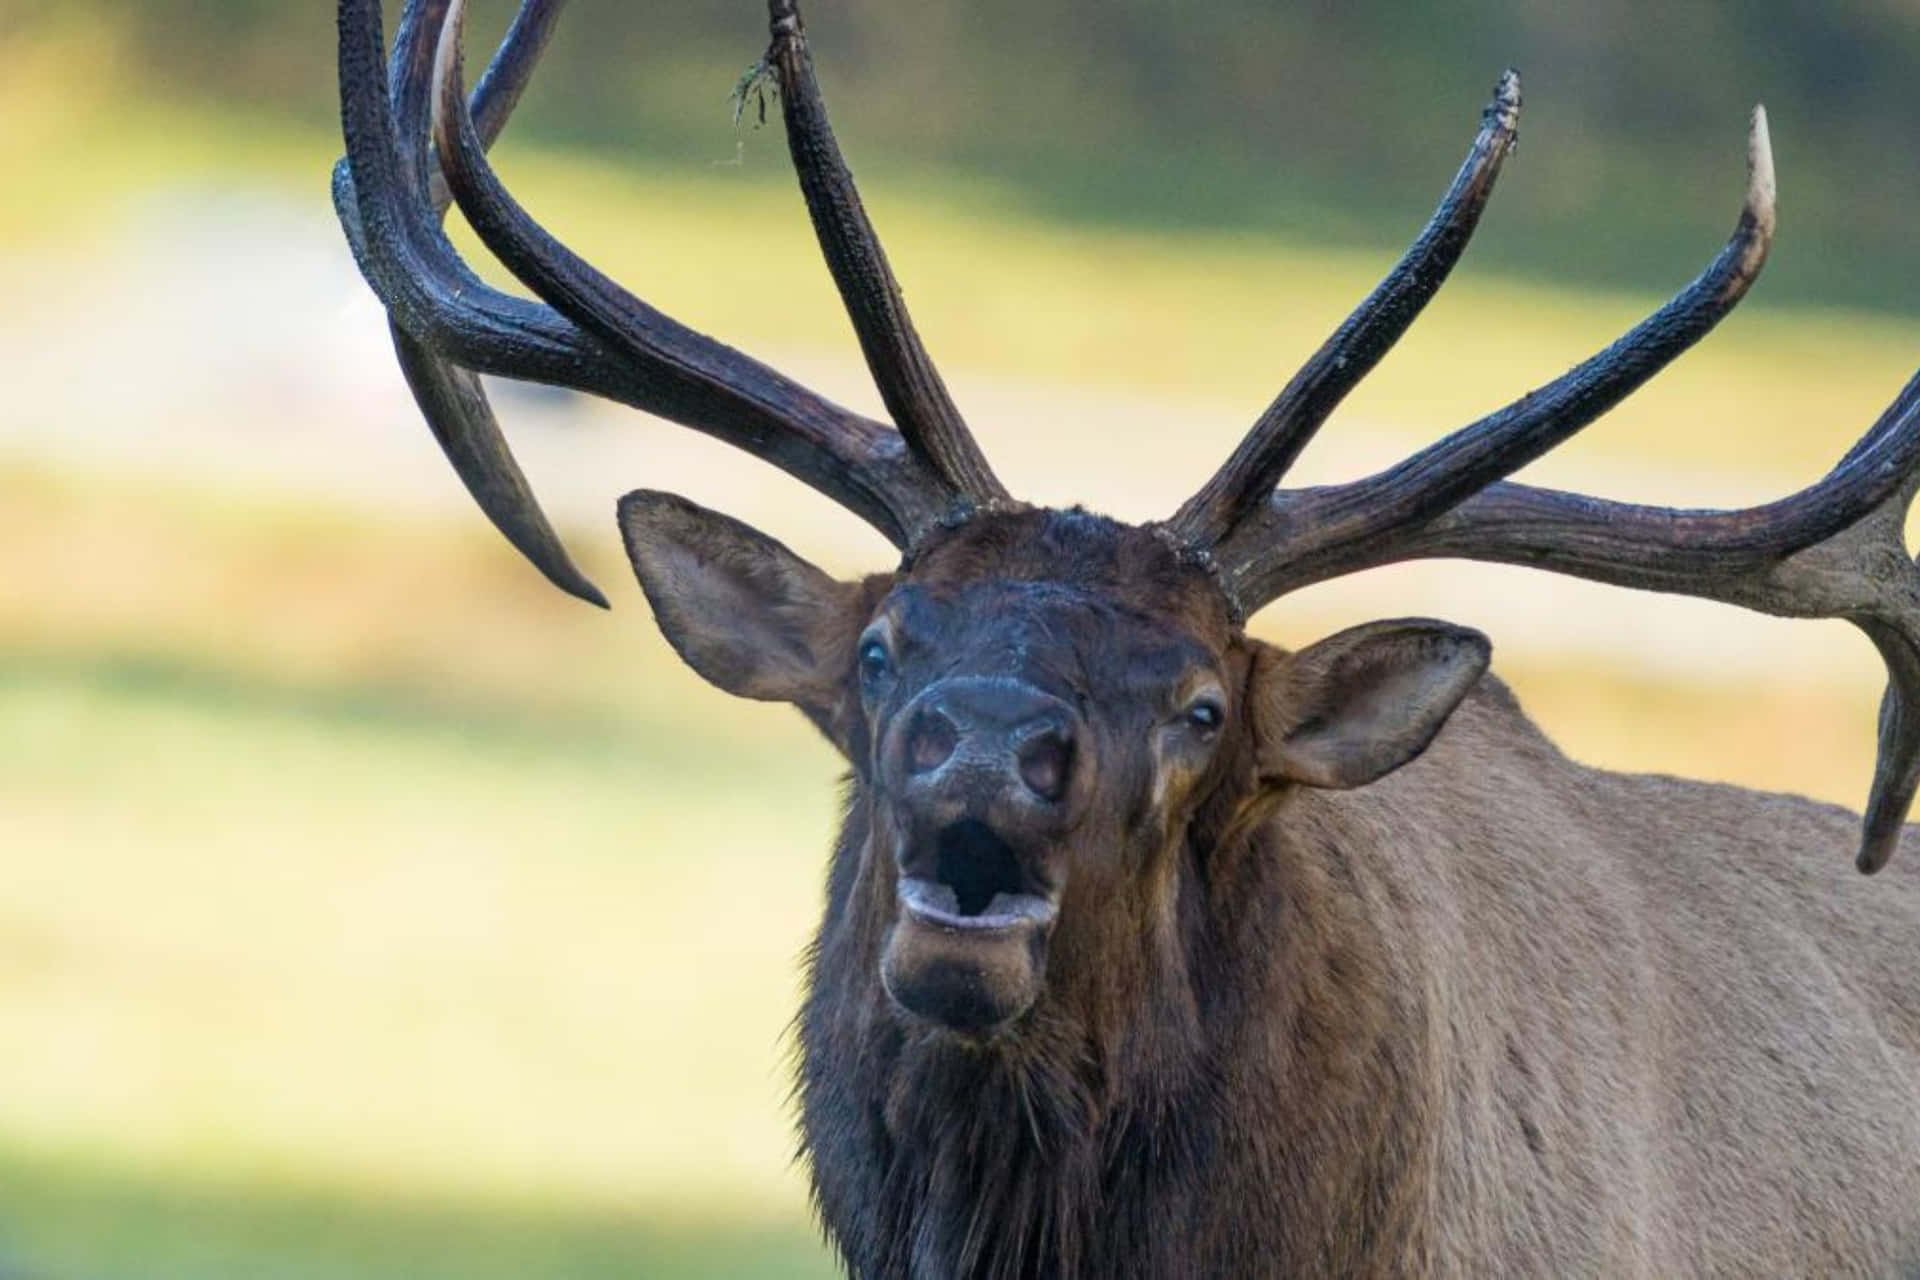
point(1167, 672)
point(977, 865)
point(914, 617)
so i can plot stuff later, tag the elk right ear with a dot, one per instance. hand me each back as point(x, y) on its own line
point(1356, 706)
point(740, 608)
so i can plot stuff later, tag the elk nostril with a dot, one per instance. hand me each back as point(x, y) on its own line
point(1045, 760)
point(931, 739)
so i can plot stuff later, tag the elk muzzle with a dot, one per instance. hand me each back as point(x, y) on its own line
point(986, 776)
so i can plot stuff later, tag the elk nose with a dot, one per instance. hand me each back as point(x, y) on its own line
point(1044, 757)
point(990, 733)
point(931, 739)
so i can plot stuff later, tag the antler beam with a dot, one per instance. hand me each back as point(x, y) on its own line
point(451, 398)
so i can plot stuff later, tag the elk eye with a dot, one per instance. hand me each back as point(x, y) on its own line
point(1206, 717)
point(876, 664)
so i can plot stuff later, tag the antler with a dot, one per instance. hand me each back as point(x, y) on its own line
point(1447, 473)
point(1248, 478)
point(909, 384)
point(592, 335)
point(1834, 550)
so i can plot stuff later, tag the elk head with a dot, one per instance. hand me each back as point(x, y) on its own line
point(1040, 707)
point(1044, 708)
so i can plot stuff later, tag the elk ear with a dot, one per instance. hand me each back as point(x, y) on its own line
point(740, 608)
point(1358, 705)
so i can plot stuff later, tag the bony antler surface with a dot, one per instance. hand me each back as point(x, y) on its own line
point(910, 386)
point(450, 397)
point(1296, 538)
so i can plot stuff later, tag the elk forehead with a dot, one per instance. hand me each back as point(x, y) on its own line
point(1126, 568)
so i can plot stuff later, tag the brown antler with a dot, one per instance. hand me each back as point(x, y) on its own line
point(1248, 478)
point(909, 384)
point(1834, 550)
point(592, 335)
point(451, 398)
point(1447, 473)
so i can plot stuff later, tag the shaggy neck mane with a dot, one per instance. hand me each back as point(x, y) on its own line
point(1059, 1150)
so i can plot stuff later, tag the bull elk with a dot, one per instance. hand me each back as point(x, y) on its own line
point(1153, 950)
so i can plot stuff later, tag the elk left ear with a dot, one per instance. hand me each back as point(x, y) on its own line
point(740, 608)
point(1356, 706)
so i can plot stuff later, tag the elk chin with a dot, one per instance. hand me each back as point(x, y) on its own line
point(972, 974)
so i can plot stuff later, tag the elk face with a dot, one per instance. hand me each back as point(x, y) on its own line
point(1036, 707)
point(1039, 698)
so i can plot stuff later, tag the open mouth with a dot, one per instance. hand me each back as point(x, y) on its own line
point(969, 950)
point(973, 881)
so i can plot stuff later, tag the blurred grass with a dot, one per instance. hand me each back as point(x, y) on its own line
point(334, 928)
point(1329, 120)
point(65, 1221)
point(486, 927)
point(79, 147)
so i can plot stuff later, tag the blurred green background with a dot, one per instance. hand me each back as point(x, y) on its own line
point(369, 909)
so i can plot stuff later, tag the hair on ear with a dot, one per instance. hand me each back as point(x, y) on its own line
point(1358, 705)
point(740, 607)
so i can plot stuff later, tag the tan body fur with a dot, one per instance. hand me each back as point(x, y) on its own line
point(1641, 1025)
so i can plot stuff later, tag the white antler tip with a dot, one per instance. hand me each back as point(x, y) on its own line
point(446, 54)
point(1760, 181)
point(1506, 99)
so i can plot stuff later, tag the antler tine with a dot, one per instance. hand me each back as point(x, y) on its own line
point(446, 316)
point(501, 85)
point(494, 100)
point(1243, 484)
point(909, 384)
point(1625, 544)
point(450, 398)
point(1447, 473)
